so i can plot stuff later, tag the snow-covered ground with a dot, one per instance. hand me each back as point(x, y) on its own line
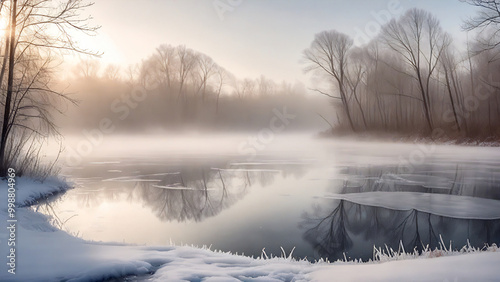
point(44, 253)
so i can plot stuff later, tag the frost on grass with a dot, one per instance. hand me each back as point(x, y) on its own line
point(440, 264)
point(385, 254)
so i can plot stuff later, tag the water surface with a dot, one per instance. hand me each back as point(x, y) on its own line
point(325, 198)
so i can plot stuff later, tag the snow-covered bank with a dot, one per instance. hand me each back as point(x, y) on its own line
point(469, 267)
point(44, 253)
point(28, 191)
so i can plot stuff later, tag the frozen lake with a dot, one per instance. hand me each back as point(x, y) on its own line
point(322, 197)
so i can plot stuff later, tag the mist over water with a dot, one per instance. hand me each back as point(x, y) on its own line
point(321, 195)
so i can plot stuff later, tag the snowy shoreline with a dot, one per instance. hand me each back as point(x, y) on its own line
point(45, 253)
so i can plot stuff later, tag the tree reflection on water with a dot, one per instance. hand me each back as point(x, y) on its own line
point(338, 227)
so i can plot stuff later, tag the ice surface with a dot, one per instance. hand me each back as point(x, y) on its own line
point(246, 169)
point(172, 187)
point(439, 204)
point(427, 181)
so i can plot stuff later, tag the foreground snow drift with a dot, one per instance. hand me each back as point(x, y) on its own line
point(470, 267)
point(46, 254)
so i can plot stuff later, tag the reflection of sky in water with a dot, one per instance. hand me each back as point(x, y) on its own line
point(313, 201)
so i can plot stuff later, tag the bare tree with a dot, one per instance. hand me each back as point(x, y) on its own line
point(7, 122)
point(187, 62)
point(29, 100)
point(265, 86)
point(328, 55)
point(206, 69)
point(244, 88)
point(449, 65)
point(87, 68)
point(112, 72)
point(355, 79)
point(373, 81)
point(222, 77)
point(419, 40)
point(132, 72)
point(488, 17)
point(166, 57)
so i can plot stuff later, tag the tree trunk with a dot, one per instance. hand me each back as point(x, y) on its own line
point(10, 82)
point(450, 93)
point(424, 101)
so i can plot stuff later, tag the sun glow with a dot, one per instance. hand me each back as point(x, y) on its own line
point(4, 23)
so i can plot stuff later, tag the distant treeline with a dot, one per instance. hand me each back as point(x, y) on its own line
point(177, 87)
point(411, 79)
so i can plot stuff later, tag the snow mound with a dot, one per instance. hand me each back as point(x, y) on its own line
point(205, 265)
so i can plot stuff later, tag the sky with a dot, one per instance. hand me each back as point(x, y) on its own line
point(248, 37)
